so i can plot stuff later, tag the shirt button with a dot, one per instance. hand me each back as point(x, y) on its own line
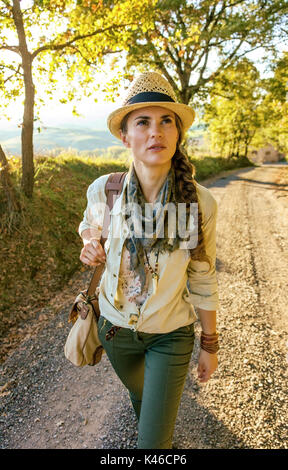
point(119, 253)
point(114, 275)
point(121, 306)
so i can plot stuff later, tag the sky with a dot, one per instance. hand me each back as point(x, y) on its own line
point(53, 114)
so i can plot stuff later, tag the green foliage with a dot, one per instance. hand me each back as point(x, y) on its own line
point(175, 37)
point(185, 34)
point(233, 113)
point(274, 108)
point(68, 38)
point(207, 166)
point(246, 112)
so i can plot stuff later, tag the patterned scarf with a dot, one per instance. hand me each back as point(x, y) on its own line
point(149, 219)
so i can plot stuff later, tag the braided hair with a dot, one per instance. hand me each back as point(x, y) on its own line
point(185, 182)
point(186, 187)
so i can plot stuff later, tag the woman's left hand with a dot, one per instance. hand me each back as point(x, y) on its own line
point(207, 364)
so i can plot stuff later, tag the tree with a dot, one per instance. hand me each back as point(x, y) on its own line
point(233, 113)
point(274, 108)
point(192, 42)
point(74, 36)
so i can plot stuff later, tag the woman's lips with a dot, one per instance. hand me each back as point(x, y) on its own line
point(157, 148)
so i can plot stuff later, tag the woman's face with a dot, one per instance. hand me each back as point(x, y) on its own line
point(152, 135)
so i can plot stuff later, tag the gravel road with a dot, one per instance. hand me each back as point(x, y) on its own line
point(47, 403)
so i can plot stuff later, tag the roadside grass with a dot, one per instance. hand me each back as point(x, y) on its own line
point(210, 166)
point(40, 253)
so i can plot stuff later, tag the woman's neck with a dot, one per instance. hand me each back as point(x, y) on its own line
point(151, 178)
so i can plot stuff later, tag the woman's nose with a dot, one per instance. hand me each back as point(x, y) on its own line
point(156, 130)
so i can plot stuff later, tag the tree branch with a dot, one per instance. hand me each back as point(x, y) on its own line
point(4, 15)
point(161, 65)
point(88, 62)
point(10, 48)
point(202, 81)
point(7, 3)
point(14, 70)
point(203, 68)
point(55, 47)
point(175, 59)
point(226, 97)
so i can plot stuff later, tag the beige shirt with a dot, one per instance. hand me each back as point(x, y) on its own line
point(183, 283)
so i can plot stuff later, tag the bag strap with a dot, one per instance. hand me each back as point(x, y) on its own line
point(113, 189)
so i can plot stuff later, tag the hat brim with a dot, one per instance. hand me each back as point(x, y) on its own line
point(185, 113)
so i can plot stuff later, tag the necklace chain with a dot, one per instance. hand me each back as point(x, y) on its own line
point(135, 316)
point(152, 271)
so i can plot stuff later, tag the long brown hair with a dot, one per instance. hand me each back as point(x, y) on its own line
point(186, 187)
point(184, 176)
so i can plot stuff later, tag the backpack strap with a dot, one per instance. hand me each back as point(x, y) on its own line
point(113, 189)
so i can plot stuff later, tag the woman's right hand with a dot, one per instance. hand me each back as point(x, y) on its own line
point(93, 253)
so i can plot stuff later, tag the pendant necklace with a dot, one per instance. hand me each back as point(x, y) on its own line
point(133, 318)
point(155, 275)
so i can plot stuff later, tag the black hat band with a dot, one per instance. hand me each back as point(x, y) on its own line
point(149, 96)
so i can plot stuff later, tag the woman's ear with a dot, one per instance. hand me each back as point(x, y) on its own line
point(124, 139)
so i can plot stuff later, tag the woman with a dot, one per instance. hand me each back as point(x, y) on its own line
point(153, 280)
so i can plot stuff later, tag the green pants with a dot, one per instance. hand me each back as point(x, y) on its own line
point(153, 367)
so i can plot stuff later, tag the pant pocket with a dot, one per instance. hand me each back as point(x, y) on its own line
point(103, 325)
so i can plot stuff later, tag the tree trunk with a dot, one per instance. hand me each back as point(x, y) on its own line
point(28, 117)
point(27, 130)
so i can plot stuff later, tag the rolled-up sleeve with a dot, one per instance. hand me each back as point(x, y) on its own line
point(93, 215)
point(202, 282)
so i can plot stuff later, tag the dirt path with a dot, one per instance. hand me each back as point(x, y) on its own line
point(48, 403)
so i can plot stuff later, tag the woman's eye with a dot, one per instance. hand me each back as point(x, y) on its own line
point(145, 122)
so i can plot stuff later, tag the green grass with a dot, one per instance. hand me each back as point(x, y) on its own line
point(209, 166)
point(41, 253)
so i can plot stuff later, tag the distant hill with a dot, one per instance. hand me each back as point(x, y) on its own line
point(53, 138)
point(81, 139)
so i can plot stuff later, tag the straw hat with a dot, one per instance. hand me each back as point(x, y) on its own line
point(150, 89)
